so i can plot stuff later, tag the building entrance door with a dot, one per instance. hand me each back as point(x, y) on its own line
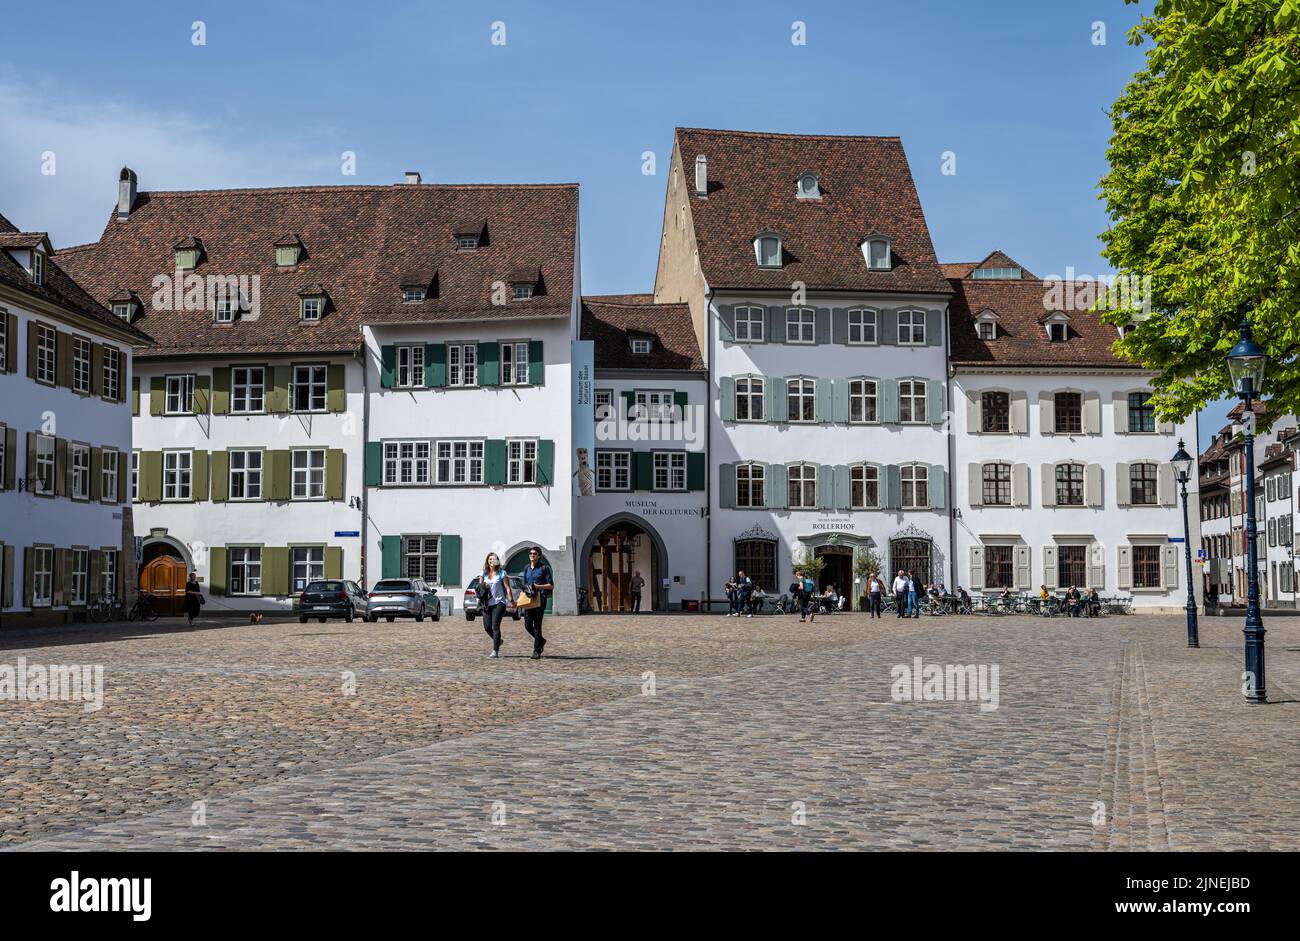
point(617, 554)
point(164, 578)
point(837, 568)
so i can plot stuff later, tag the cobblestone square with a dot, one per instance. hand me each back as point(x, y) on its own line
point(654, 733)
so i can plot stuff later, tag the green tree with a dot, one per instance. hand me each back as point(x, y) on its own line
point(808, 562)
point(1203, 194)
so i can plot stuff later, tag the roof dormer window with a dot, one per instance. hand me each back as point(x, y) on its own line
point(466, 243)
point(877, 253)
point(986, 325)
point(226, 307)
point(641, 346)
point(188, 251)
point(1057, 332)
point(311, 303)
point(524, 282)
point(808, 187)
point(288, 250)
point(996, 274)
point(522, 292)
point(767, 250)
point(124, 304)
point(123, 311)
point(470, 234)
point(413, 295)
point(38, 267)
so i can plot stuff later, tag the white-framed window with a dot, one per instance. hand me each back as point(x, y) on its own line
point(80, 576)
point(864, 486)
point(178, 467)
point(81, 365)
point(308, 474)
point(112, 372)
point(420, 557)
point(613, 470)
point(670, 470)
point(42, 576)
point(995, 480)
point(521, 461)
point(245, 570)
point(246, 475)
point(247, 389)
point(911, 328)
point(767, 250)
point(603, 401)
point(986, 330)
point(44, 464)
point(915, 480)
point(654, 405)
point(108, 573)
point(406, 462)
point(863, 401)
point(410, 366)
point(79, 462)
point(310, 384)
point(460, 462)
point(1069, 484)
point(876, 253)
point(750, 402)
point(641, 346)
point(108, 471)
point(514, 363)
point(462, 364)
point(523, 292)
point(413, 295)
point(995, 274)
point(135, 475)
point(38, 267)
point(751, 323)
point(180, 395)
point(308, 565)
point(801, 400)
point(800, 325)
point(226, 306)
point(862, 326)
point(46, 354)
point(750, 481)
point(310, 307)
point(912, 400)
point(1057, 332)
point(801, 486)
point(466, 243)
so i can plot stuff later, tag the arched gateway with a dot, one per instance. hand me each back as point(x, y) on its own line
point(615, 550)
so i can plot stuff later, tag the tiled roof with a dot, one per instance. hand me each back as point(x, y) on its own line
point(866, 186)
point(611, 320)
point(359, 243)
point(1259, 408)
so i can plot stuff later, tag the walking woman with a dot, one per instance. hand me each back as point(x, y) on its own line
point(875, 588)
point(494, 595)
point(193, 598)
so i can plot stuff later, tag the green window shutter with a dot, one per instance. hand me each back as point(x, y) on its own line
point(123, 476)
point(63, 360)
point(387, 366)
point(546, 462)
point(221, 390)
point(202, 394)
point(727, 401)
point(435, 365)
point(449, 560)
point(680, 400)
point(217, 570)
point(199, 475)
point(278, 467)
point(275, 570)
point(494, 461)
point(11, 457)
point(391, 557)
point(643, 470)
point(336, 393)
point(374, 471)
point(277, 397)
point(333, 561)
point(96, 474)
point(151, 464)
point(489, 363)
point(157, 394)
point(135, 395)
point(629, 402)
point(334, 474)
point(695, 470)
point(61, 469)
point(536, 363)
point(97, 369)
point(220, 476)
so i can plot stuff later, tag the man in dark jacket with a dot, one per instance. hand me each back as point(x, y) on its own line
point(537, 581)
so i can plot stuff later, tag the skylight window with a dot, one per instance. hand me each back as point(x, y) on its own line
point(767, 249)
point(996, 274)
point(877, 253)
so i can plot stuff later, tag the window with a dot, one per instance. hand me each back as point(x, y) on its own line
point(749, 399)
point(514, 362)
point(876, 252)
point(309, 387)
point(81, 365)
point(999, 567)
point(800, 323)
point(466, 243)
point(757, 559)
point(862, 326)
point(864, 486)
point(135, 475)
point(177, 471)
point(613, 470)
point(311, 308)
point(186, 258)
point(523, 292)
point(1069, 485)
point(604, 404)
point(670, 470)
point(801, 400)
point(808, 188)
point(997, 484)
point(227, 304)
point(38, 268)
point(750, 323)
point(460, 462)
point(462, 363)
point(768, 250)
point(413, 295)
point(80, 576)
point(1056, 332)
point(862, 401)
point(995, 412)
point(1146, 566)
point(410, 366)
point(420, 557)
point(406, 462)
point(4, 344)
point(246, 570)
point(801, 483)
point(911, 328)
point(1071, 567)
point(641, 346)
point(749, 486)
point(980, 274)
point(247, 389)
point(108, 573)
point(108, 470)
point(79, 461)
point(112, 372)
point(44, 464)
point(987, 330)
point(521, 462)
point(1069, 413)
point(1141, 413)
point(180, 395)
point(286, 256)
point(46, 354)
point(655, 405)
point(245, 475)
point(1142, 477)
point(911, 400)
point(42, 576)
point(308, 565)
point(916, 486)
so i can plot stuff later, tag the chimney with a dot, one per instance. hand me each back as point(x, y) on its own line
point(701, 175)
point(413, 177)
point(125, 192)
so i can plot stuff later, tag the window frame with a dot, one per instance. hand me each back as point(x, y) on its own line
point(245, 474)
point(750, 396)
point(178, 470)
point(242, 392)
point(862, 326)
point(674, 469)
point(794, 317)
point(797, 403)
point(420, 548)
point(777, 255)
point(912, 327)
point(864, 398)
point(309, 564)
point(111, 363)
point(912, 397)
point(42, 576)
point(755, 483)
point(1139, 410)
point(1000, 482)
point(462, 361)
point(81, 377)
point(47, 354)
point(521, 471)
point(995, 419)
point(1070, 409)
point(78, 471)
point(312, 384)
point(1148, 484)
point(756, 316)
point(615, 461)
point(1064, 477)
point(1149, 567)
point(919, 478)
point(797, 484)
point(49, 461)
point(241, 558)
point(516, 348)
point(183, 394)
point(311, 309)
point(397, 461)
point(467, 461)
point(408, 374)
point(870, 476)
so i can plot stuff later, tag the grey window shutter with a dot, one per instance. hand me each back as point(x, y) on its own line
point(933, 328)
point(1092, 413)
point(1020, 485)
point(1124, 555)
point(893, 488)
point(1049, 484)
point(822, 332)
point(1049, 566)
point(775, 486)
point(1019, 413)
point(777, 408)
point(889, 401)
point(889, 326)
point(726, 485)
point(1024, 573)
point(823, 400)
point(1092, 485)
point(726, 323)
point(1169, 567)
point(727, 386)
point(839, 325)
point(937, 487)
point(826, 486)
point(975, 484)
point(842, 487)
point(840, 405)
point(1046, 413)
point(1165, 428)
point(776, 324)
point(977, 568)
point(1119, 405)
point(974, 417)
point(934, 401)
point(1123, 488)
point(1097, 566)
point(1166, 493)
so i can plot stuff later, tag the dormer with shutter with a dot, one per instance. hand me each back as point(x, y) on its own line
point(312, 302)
point(1057, 325)
point(288, 250)
point(189, 252)
point(768, 250)
point(878, 252)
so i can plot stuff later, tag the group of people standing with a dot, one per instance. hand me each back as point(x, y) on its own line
point(495, 594)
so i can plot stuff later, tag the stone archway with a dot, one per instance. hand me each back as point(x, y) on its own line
point(842, 552)
point(610, 556)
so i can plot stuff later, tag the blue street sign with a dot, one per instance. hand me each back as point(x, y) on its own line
point(1177, 539)
point(340, 534)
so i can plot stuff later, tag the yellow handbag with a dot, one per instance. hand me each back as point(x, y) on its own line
point(524, 600)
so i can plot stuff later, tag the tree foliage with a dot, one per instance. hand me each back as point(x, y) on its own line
point(1203, 194)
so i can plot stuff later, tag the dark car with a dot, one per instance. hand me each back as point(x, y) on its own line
point(403, 598)
point(333, 598)
point(470, 602)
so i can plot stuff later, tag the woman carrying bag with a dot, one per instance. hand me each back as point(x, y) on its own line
point(494, 594)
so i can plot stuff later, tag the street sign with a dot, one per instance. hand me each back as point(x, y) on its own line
point(344, 533)
point(1177, 539)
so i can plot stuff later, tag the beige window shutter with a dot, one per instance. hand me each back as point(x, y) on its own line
point(977, 568)
point(1048, 473)
point(1047, 413)
point(1166, 490)
point(1020, 485)
point(1019, 422)
point(1092, 485)
point(974, 421)
point(975, 484)
point(1123, 486)
point(1097, 566)
point(1024, 573)
point(1124, 555)
point(1049, 566)
point(1092, 413)
point(1119, 405)
point(1169, 567)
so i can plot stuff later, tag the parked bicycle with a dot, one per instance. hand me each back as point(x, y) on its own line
point(106, 608)
point(144, 609)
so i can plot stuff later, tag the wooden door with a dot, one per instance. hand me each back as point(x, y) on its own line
point(164, 578)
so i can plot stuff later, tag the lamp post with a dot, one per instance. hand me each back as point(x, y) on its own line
point(1182, 462)
point(1246, 364)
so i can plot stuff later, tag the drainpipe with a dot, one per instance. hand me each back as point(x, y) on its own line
point(708, 452)
point(952, 454)
point(365, 491)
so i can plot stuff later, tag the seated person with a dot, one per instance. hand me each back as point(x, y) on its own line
point(963, 596)
point(1073, 602)
point(1093, 603)
point(1006, 597)
point(756, 599)
point(830, 600)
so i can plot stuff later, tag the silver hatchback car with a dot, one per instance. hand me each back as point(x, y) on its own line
point(402, 598)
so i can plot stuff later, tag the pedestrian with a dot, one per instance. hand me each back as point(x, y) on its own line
point(538, 581)
point(744, 588)
point(638, 583)
point(875, 591)
point(900, 593)
point(810, 597)
point(913, 609)
point(796, 592)
point(193, 598)
point(729, 590)
point(494, 594)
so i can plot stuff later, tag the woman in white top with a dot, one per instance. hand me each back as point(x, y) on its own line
point(494, 595)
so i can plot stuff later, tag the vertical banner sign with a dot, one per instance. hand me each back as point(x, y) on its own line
point(584, 418)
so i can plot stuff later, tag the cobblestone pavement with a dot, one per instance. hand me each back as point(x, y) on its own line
point(760, 734)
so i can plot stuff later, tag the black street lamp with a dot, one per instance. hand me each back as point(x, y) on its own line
point(1246, 367)
point(1182, 462)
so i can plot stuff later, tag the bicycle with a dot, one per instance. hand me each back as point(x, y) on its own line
point(106, 608)
point(144, 609)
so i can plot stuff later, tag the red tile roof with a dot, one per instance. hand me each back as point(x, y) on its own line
point(866, 186)
point(612, 320)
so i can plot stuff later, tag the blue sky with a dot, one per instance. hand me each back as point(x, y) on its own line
point(1017, 90)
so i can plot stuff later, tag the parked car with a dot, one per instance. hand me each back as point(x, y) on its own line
point(470, 603)
point(403, 598)
point(335, 598)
